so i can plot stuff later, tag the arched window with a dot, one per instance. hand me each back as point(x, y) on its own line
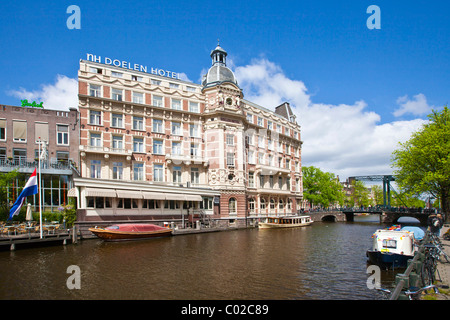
point(251, 205)
point(232, 207)
point(272, 204)
point(262, 205)
point(289, 204)
point(280, 205)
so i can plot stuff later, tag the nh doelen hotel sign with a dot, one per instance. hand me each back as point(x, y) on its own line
point(128, 65)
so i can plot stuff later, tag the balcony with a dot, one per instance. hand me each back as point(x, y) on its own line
point(52, 166)
point(186, 159)
point(105, 150)
point(271, 170)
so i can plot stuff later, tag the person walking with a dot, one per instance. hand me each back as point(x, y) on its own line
point(435, 224)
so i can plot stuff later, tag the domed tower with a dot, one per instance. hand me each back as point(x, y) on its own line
point(224, 135)
point(219, 72)
point(220, 85)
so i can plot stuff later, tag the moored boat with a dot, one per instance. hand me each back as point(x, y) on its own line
point(285, 222)
point(392, 247)
point(131, 231)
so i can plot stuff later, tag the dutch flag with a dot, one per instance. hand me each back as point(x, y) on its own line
point(30, 188)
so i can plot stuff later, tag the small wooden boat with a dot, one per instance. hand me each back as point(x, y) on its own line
point(285, 222)
point(131, 231)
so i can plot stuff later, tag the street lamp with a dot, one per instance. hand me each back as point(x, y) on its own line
point(43, 156)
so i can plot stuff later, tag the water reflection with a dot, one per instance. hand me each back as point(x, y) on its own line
point(323, 261)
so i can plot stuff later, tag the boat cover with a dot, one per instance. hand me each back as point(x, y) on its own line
point(136, 227)
point(418, 232)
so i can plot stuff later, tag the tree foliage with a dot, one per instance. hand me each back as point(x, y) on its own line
point(360, 194)
point(423, 162)
point(6, 181)
point(321, 188)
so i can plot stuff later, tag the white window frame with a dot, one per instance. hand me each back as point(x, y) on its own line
point(116, 120)
point(96, 169)
point(117, 143)
point(95, 90)
point(158, 173)
point(138, 97)
point(193, 130)
point(138, 123)
point(95, 139)
point(176, 147)
point(176, 174)
point(230, 159)
point(194, 107)
point(176, 128)
point(117, 170)
point(95, 117)
point(138, 171)
point(62, 136)
point(138, 144)
point(158, 101)
point(117, 94)
point(176, 104)
point(158, 146)
point(158, 125)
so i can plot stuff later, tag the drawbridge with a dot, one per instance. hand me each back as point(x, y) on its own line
point(387, 187)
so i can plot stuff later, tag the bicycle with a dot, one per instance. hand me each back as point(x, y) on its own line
point(413, 293)
point(429, 266)
point(436, 242)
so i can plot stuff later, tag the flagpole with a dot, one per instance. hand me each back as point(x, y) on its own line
point(40, 193)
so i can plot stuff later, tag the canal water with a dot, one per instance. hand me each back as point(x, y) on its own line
point(322, 261)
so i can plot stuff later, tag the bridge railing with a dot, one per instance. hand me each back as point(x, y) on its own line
point(377, 209)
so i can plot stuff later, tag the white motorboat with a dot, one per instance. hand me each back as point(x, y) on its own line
point(285, 222)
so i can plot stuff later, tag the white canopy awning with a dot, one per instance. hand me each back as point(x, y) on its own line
point(153, 195)
point(192, 197)
point(129, 194)
point(97, 192)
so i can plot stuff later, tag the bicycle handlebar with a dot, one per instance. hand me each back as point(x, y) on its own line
point(419, 290)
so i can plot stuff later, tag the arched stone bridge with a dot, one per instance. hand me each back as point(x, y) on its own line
point(388, 217)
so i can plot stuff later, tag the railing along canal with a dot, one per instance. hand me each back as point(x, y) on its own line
point(412, 275)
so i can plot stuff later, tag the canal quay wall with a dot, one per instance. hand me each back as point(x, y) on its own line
point(84, 233)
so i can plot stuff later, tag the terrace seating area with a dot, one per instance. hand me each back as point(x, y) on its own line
point(21, 229)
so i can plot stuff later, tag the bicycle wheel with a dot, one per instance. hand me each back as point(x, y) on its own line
point(427, 274)
point(446, 258)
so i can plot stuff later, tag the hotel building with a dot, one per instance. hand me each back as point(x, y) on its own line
point(154, 147)
point(21, 129)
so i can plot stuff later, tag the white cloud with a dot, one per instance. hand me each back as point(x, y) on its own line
point(58, 96)
point(183, 76)
point(344, 139)
point(418, 106)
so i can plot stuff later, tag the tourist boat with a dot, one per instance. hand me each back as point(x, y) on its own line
point(393, 247)
point(285, 222)
point(131, 231)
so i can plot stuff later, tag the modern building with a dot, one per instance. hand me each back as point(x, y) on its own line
point(21, 130)
point(154, 147)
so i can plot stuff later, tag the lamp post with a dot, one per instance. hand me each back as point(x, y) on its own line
point(43, 156)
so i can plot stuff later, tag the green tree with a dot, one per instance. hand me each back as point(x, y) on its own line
point(6, 179)
point(321, 188)
point(360, 194)
point(378, 195)
point(423, 162)
point(404, 199)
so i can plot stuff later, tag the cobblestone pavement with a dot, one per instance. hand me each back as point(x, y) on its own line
point(444, 268)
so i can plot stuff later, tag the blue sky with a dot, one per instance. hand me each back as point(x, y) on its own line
point(322, 48)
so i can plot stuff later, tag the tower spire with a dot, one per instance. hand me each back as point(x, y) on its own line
point(219, 55)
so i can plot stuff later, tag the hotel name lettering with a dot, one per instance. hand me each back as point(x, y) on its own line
point(136, 67)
